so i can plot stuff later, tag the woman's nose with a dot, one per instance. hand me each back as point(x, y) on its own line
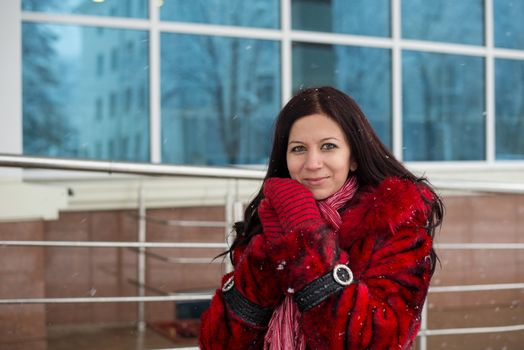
point(313, 160)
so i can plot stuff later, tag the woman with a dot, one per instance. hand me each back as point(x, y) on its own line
point(335, 251)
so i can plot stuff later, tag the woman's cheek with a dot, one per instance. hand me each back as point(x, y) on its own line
point(292, 168)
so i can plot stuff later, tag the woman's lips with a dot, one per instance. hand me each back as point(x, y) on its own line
point(315, 181)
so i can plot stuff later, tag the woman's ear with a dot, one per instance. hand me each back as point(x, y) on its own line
point(353, 166)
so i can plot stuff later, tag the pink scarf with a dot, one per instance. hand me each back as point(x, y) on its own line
point(284, 331)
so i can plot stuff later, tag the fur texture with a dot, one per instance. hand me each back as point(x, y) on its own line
point(383, 240)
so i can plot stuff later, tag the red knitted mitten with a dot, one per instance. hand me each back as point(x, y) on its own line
point(293, 203)
point(309, 245)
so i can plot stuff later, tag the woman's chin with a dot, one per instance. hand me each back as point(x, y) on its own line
point(319, 194)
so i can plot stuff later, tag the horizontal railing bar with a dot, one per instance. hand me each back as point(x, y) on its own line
point(205, 261)
point(476, 287)
point(85, 244)
point(193, 348)
point(178, 297)
point(450, 246)
point(187, 223)
point(183, 260)
point(33, 162)
point(481, 186)
point(473, 246)
point(473, 330)
point(28, 162)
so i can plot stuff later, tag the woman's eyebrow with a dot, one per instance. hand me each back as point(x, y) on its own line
point(290, 142)
point(329, 138)
point(321, 140)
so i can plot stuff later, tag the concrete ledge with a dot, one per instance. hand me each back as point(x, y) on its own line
point(23, 201)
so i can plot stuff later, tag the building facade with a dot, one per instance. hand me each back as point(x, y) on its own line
point(201, 82)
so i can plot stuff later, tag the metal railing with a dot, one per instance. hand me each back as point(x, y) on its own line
point(111, 167)
point(233, 212)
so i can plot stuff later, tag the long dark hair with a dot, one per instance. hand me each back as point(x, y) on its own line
point(374, 161)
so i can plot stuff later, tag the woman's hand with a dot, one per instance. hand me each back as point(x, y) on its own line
point(308, 247)
point(292, 202)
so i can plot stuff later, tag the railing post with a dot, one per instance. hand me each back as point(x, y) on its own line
point(234, 212)
point(424, 326)
point(228, 209)
point(238, 210)
point(141, 258)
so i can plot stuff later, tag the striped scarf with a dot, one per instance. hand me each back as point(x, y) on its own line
point(284, 331)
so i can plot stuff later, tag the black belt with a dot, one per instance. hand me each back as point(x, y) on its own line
point(245, 308)
point(322, 288)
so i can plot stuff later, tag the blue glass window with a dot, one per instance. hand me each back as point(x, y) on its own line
point(359, 17)
point(443, 20)
point(363, 73)
point(509, 26)
point(509, 109)
point(113, 8)
point(443, 101)
point(73, 105)
point(220, 97)
point(245, 13)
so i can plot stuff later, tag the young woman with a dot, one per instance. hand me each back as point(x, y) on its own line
point(335, 251)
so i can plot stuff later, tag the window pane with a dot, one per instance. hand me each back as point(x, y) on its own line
point(509, 26)
point(220, 97)
point(360, 17)
point(245, 13)
point(363, 73)
point(443, 101)
point(443, 20)
point(74, 105)
point(509, 105)
point(113, 8)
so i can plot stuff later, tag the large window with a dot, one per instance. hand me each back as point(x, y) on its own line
point(509, 107)
point(113, 8)
point(443, 107)
point(509, 26)
point(219, 98)
point(247, 13)
point(66, 80)
point(360, 17)
point(443, 20)
point(436, 82)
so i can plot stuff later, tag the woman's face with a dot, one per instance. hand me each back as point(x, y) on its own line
point(318, 155)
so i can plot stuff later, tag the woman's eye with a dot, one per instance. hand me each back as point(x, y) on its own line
point(328, 146)
point(298, 149)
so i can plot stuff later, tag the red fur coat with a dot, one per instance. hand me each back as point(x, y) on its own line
point(383, 234)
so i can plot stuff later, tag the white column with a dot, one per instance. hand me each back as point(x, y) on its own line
point(154, 83)
point(10, 83)
point(490, 82)
point(396, 80)
point(285, 50)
